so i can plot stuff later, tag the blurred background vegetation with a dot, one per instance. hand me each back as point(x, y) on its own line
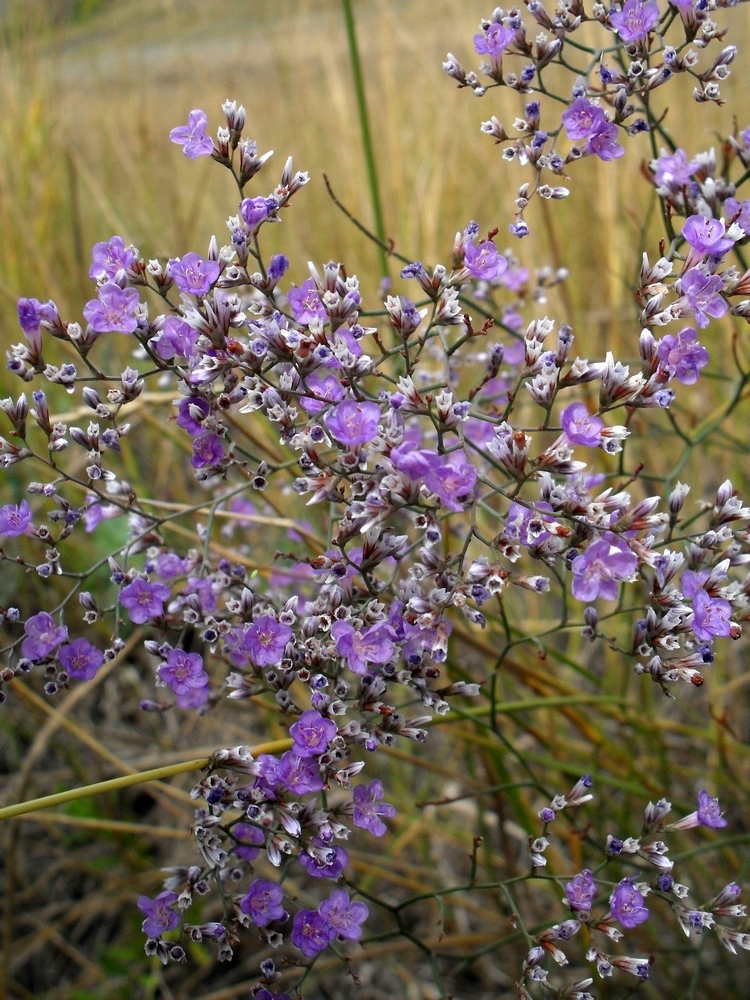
point(89, 90)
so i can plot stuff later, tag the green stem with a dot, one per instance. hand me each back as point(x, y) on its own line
point(364, 122)
point(113, 784)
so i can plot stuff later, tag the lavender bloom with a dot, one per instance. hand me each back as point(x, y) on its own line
point(262, 902)
point(707, 235)
point(708, 812)
point(602, 566)
point(177, 339)
point(192, 274)
point(42, 635)
point(603, 142)
point(160, 915)
point(324, 390)
point(265, 640)
point(374, 645)
point(311, 932)
point(191, 412)
point(14, 520)
point(583, 118)
point(110, 258)
point(484, 261)
point(305, 303)
point(312, 734)
point(581, 891)
point(343, 916)
point(326, 861)
point(353, 423)
point(711, 616)
point(114, 310)
point(31, 314)
point(702, 293)
point(495, 39)
point(739, 212)
point(635, 20)
point(207, 451)
point(672, 173)
point(254, 211)
point(247, 835)
point(192, 137)
point(80, 659)
point(183, 671)
point(143, 600)
point(368, 808)
point(452, 479)
point(580, 427)
point(301, 775)
point(626, 904)
point(682, 356)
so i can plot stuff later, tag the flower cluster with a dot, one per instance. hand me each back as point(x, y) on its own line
point(457, 466)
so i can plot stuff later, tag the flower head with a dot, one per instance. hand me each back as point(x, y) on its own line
point(344, 916)
point(143, 600)
point(192, 137)
point(626, 904)
point(682, 355)
point(14, 520)
point(368, 808)
point(192, 274)
point(312, 733)
point(580, 427)
point(262, 902)
point(602, 566)
point(160, 913)
point(80, 659)
point(484, 261)
point(114, 309)
point(581, 891)
point(42, 636)
point(110, 258)
point(635, 20)
point(353, 423)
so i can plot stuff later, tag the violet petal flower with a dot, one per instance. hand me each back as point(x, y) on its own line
point(110, 258)
point(484, 261)
point(192, 274)
point(626, 904)
point(311, 932)
point(711, 616)
point(305, 303)
point(635, 20)
point(80, 659)
point(114, 309)
point(160, 915)
point(581, 891)
point(143, 600)
point(192, 137)
point(14, 520)
point(368, 808)
point(312, 733)
point(581, 427)
point(600, 569)
point(262, 902)
point(583, 118)
point(327, 861)
point(183, 671)
point(344, 916)
point(353, 423)
point(42, 636)
point(708, 812)
point(682, 356)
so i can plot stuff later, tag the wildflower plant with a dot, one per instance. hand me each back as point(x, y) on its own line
point(456, 457)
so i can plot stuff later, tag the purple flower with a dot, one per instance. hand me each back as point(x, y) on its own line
point(114, 310)
point(80, 659)
point(368, 808)
point(191, 412)
point(581, 891)
point(353, 423)
point(601, 567)
point(160, 915)
point(672, 173)
point(312, 734)
point(143, 600)
point(635, 20)
point(324, 390)
point(207, 451)
point(739, 212)
point(702, 293)
point(707, 235)
point(305, 303)
point(311, 933)
point(322, 860)
point(626, 904)
point(374, 645)
point(177, 339)
point(484, 261)
point(343, 916)
point(110, 258)
point(14, 520)
point(452, 479)
point(262, 902)
point(183, 671)
point(580, 427)
point(603, 142)
point(301, 775)
point(42, 635)
point(691, 581)
point(708, 812)
point(582, 118)
point(192, 274)
point(247, 835)
point(254, 211)
point(266, 640)
point(711, 616)
point(192, 137)
point(682, 356)
point(495, 39)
